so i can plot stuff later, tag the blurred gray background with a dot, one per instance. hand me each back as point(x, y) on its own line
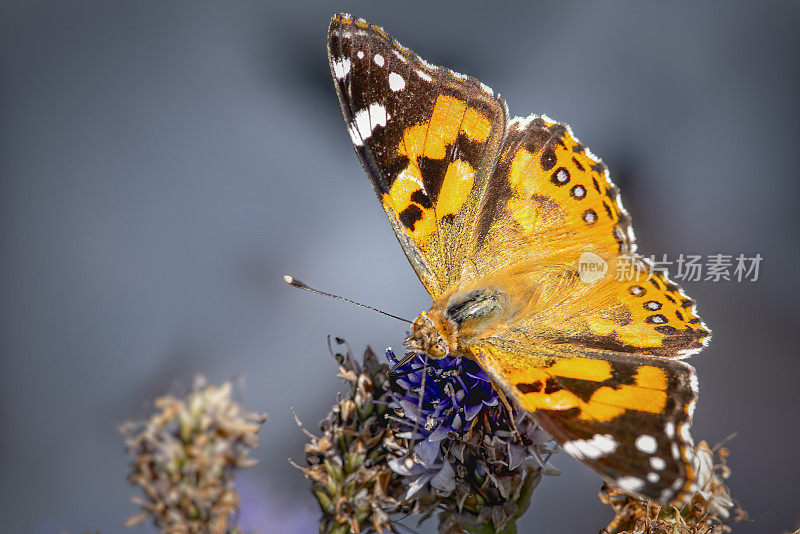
point(162, 164)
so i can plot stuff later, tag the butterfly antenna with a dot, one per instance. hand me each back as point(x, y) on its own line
point(292, 281)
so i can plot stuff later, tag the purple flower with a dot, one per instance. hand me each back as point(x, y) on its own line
point(456, 391)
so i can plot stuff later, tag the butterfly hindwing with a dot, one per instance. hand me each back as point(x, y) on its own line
point(628, 417)
point(427, 137)
point(549, 206)
point(548, 185)
point(648, 314)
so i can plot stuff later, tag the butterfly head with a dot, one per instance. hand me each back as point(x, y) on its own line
point(430, 333)
point(455, 320)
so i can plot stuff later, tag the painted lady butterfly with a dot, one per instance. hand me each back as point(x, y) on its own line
point(497, 216)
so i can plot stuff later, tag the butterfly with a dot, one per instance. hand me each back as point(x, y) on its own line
point(516, 230)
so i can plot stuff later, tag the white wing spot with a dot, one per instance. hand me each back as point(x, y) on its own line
point(690, 409)
point(360, 54)
point(400, 56)
point(676, 451)
point(684, 431)
point(366, 120)
point(396, 82)
point(646, 444)
point(657, 463)
point(378, 59)
point(669, 429)
point(424, 75)
point(630, 483)
point(653, 477)
point(361, 121)
point(599, 445)
point(341, 68)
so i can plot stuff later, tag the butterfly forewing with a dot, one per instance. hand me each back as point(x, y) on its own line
point(427, 137)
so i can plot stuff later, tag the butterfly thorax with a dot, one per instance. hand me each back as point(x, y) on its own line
point(455, 321)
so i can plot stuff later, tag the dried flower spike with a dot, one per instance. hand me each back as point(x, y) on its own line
point(185, 456)
point(347, 464)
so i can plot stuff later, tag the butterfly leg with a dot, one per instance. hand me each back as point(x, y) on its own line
point(393, 371)
point(507, 404)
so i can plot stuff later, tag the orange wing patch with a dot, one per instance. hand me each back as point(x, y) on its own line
point(647, 314)
point(425, 144)
point(658, 307)
point(595, 391)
